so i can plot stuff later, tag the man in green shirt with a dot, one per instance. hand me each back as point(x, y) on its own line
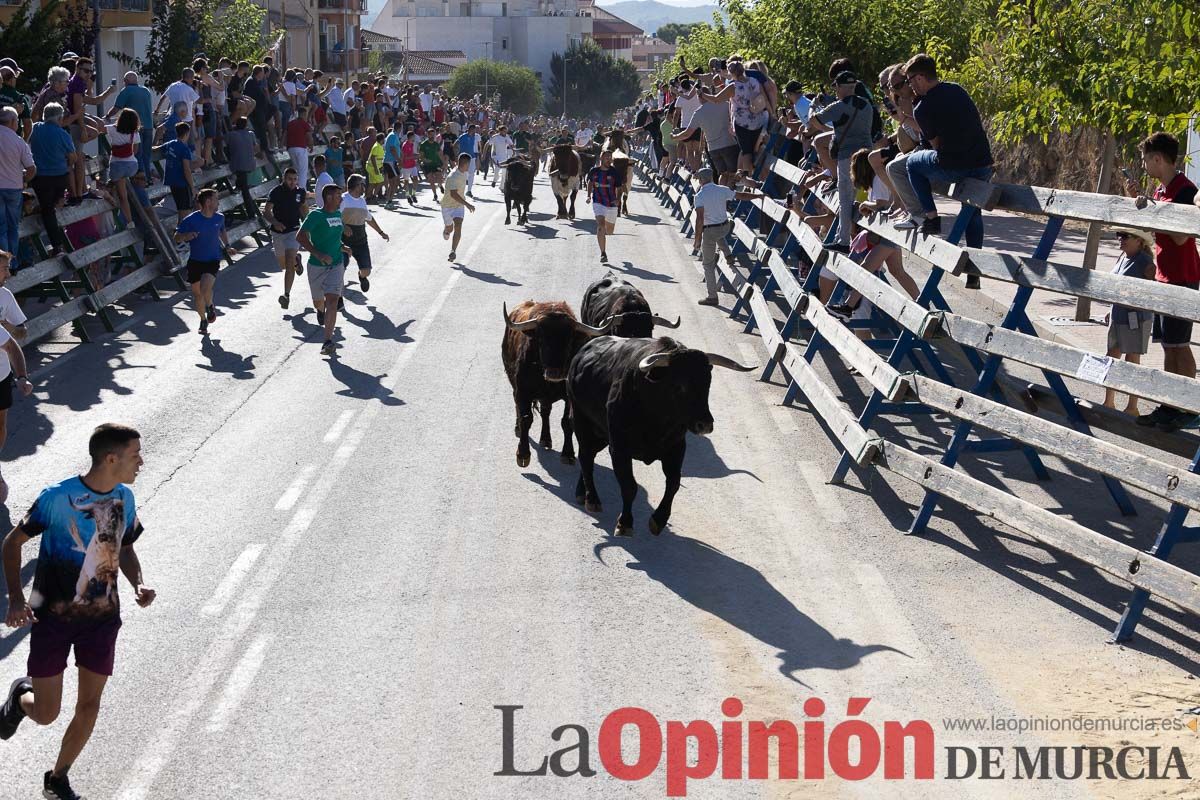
point(431, 162)
point(10, 96)
point(321, 235)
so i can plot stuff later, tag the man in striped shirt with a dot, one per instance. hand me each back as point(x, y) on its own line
point(603, 182)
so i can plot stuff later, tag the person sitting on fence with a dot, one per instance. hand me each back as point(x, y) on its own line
point(957, 148)
point(137, 97)
point(177, 174)
point(850, 120)
point(16, 170)
point(1177, 263)
point(54, 91)
point(1129, 328)
point(124, 141)
point(204, 229)
point(53, 156)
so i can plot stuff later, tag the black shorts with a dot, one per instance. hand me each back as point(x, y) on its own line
point(390, 170)
point(339, 119)
point(198, 269)
point(182, 196)
point(747, 138)
point(361, 254)
point(723, 160)
point(1172, 331)
point(6, 387)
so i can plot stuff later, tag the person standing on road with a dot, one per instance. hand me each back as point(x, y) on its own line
point(205, 229)
point(287, 205)
point(12, 359)
point(713, 225)
point(355, 219)
point(88, 526)
point(603, 183)
point(453, 203)
point(321, 235)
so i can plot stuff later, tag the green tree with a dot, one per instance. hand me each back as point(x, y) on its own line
point(233, 29)
point(33, 38)
point(519, 89)
point(672, 32)
point(596, 83)
point(705, 41)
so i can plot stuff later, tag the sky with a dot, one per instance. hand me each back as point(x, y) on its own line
point(664, 2)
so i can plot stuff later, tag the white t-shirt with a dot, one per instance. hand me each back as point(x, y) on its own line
point(323, 180)
point(583, 137)
point(349, 97)
point(289, 89)
point(337, 101)
point(712, 197)
point(391, 92)
point(502, 148)
point(879, 191)
point(11, 313)
point(358, 214)
point(116, 140)
point(180, 92)
point(426, 102)
point(687, 106)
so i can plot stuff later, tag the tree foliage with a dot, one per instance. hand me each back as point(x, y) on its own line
point(597, 84)
point(705, 41)
point(672, 32)
point(518, 87)
point(34, 38)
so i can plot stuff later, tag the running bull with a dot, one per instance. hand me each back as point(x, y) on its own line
point(565, 172)
point(639, 398)
point(539, 341)
point(517, 189)
point(613, 296)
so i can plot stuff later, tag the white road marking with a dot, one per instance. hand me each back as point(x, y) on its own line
point(239, 683)
point(292, 494)
point(241, 566)
point(828, 503)
point(211, 665)
point(892, 624)
point(338, 426)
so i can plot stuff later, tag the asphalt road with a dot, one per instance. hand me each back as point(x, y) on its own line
point(352, 571)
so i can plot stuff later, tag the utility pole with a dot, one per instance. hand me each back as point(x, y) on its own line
point(487, 56)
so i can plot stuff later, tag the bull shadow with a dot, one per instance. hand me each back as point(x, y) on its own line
point(647, 275)
point(486, 277)
point(742, 597)
point(235, 365)
point(545, 232)
point(702, 461)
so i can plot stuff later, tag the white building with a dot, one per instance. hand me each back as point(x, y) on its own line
point(526, 32)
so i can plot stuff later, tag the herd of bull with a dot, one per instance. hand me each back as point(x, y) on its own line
point(625, 390)
point(568, 170)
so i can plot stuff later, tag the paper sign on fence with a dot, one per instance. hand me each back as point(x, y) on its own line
point(1093, 369)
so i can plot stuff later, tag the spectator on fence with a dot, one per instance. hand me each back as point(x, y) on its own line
point(260, 115)
point(124, 141)
point(12, 359)
point(55, 91)
point(16, 170)
point(53, 156)
point(204, 230)
point(1177, 264)
point(11, 96)
point(1129, 328)
point(850, 120)
point(138, 98)
point(299, 138)
point(243, 159)
point(750, 104)
point(957, 148)
point(712, 118)
point(178, 156)
point(206, 117)
point(712, 226)
point(181, 91)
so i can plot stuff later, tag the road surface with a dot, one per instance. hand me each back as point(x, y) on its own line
point(352, 571)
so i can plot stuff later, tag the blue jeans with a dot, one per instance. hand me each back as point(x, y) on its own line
point(143, 155)
point(923, 167)
point(10, 220)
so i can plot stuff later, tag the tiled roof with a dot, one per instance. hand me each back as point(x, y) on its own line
point(416, 64)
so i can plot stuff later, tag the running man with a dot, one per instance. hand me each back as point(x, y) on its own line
point(355, 219)
point(409, 174)
point(88, 526)
point(432, 162)
point(374, 161)
point(453, 202)
point(602, 184)
point(391, 161)
point(286, 206)
point(502, 147)
point(205, 229)
point(321, 235)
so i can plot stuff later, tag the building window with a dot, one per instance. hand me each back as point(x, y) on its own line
point(504, 9)
point(464, 9)
point(504, 43)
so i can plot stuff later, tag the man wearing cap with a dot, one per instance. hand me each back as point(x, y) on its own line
point(850, 118)
point(11, 96)
point(713, 225)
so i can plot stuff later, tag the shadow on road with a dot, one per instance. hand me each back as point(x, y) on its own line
point(637, 272)
point(379, 326)
point(361, 385)
point(221, 360)
point(486, 277)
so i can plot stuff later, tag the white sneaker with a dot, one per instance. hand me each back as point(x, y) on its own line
point(909, 223)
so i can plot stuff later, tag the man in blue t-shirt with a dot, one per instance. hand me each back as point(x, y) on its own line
point(177, 174)
point(205, 230)
point(391, 159)
point(88, 525)
point(468, 144)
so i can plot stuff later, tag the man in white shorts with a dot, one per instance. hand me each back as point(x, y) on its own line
point(454, 202)
point(287, 204)
point(603, 182)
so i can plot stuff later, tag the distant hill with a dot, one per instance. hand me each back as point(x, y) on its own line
point(650, 14)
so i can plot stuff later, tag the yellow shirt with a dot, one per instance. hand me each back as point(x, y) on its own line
point(455, 181)
point(374, 172)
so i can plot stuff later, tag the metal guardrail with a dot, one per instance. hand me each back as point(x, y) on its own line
point(903, 327)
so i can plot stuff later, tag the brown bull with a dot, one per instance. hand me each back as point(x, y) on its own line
point(566, 169)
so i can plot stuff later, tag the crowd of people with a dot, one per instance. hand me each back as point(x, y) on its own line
point(881, 149)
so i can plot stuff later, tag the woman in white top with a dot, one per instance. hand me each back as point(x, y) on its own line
point(123, 140)
point(686, 103)
point(749, 102)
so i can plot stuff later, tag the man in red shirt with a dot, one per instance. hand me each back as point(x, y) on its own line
point(299, 139)
point(1177, 263)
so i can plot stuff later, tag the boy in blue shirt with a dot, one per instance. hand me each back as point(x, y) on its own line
point(205, 230)
point(178, 173)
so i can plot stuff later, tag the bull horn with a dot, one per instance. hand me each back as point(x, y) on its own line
point(654, 360)
point(527, 325)
point(718, 360)
point(666, 323)
point(600, 330)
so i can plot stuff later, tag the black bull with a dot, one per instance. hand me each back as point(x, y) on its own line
point(518, 190)
point(613, 296)
point(539, 341)
point(565, 174)
point(639, 398)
